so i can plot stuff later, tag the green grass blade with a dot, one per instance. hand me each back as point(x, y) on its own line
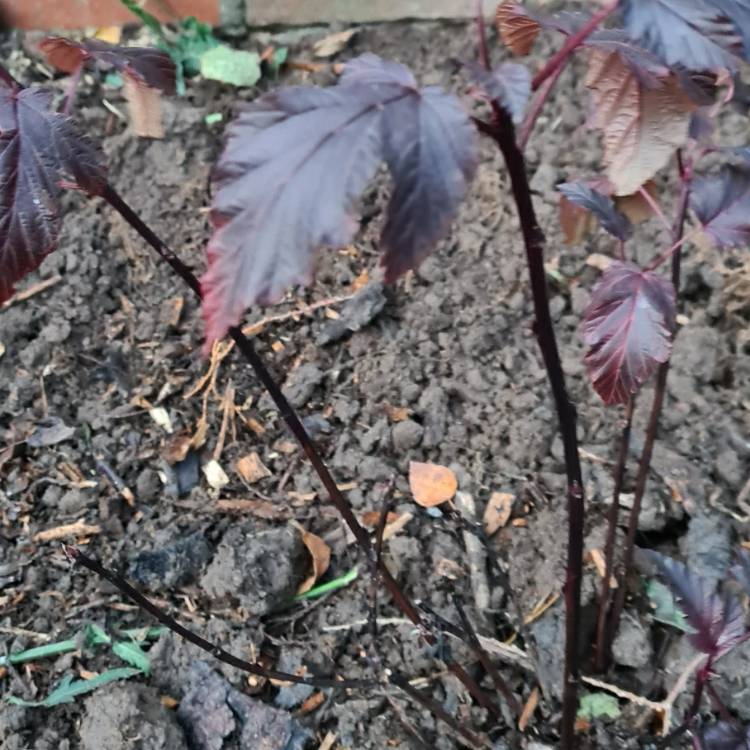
point(70, 689)
point(145, 17)
point(133, 654)
point(324, 588)
point(40, 652)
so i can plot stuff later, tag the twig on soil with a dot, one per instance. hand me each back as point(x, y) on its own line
point(408, 727)
point(662, 708)
point(500, 685)
point(31, 291)
point(79, 558)
point(476, 557)
point(77, 529)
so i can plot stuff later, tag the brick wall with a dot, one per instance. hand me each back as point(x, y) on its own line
point(50, 14)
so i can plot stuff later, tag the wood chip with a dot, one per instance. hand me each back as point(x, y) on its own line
point(259, 508)
point(78, 529)
point(397, 413)
point(144, 105)
point(215, 475)
point(251, 468)
point(328, 741)
point(498, 510)
point(431, 484)
point(314, 702)
point(31, 291)
point(161, 416)
point(2, 348)
point(528, 709)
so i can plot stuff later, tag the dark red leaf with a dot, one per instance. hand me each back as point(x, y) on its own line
point(726, 736)
point(628, 326)
point(509, 84)
point(741, 571)
point(297, 160)
point(739, 12)
point(722, 205)
point(718, 621)
point(601, 206)
point(39, 149)
point(694, 34)
point(148, 66)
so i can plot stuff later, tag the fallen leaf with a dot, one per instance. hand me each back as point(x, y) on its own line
point(215, 475)
point(599, 261)
point(161, 416)
point(371, 518)
point(252, 469)
point(431, 484)
point(498, 510)
point(79, 528)
point(528, 709)
point(176, 448)
point(333, 43)
point(576, 222)
point(635, 206)
point(642, 124)
point(320, 553)
point(50, 431)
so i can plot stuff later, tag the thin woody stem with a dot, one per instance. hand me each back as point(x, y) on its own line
point(644, 465)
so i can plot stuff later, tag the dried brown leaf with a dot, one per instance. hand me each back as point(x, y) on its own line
point(635, 206)
point(516, 28)
point(144, 105)
point(332, 44)
point(252, 469)
point(176, 448)
point(642, 125)
point(431, 484)
point(498, 510)
point(576, 222)
point(320, 553)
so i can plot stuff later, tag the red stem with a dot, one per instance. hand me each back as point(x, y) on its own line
point(558, 60)
point(503, 132)
point(602, 657)
point(644, 464)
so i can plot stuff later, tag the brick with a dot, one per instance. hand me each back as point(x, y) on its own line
point(77, 14)
point(302, 12)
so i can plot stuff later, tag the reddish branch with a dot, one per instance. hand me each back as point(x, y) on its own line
point(502, 131)
point(644, 465)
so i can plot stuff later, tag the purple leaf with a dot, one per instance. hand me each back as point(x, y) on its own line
point(148, 66)
point(694, 34)
point(39, 149)
point(741, 571)
point(726, 736)
point(722, 205)
point(601, 206)
point(739, 12)
point(509, 84)
point(297, 160)
point(628, 326)
point(718, 621)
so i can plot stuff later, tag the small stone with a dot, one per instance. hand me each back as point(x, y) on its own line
point(406, 435)
point(729, 468)
point(73, 501)
point(261, 569)
point(632, 647)
point(301, 384)
point(148, 485)
point(115, 716)
point(173, 565)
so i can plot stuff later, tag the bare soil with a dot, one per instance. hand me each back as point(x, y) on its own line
point(448, 371)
